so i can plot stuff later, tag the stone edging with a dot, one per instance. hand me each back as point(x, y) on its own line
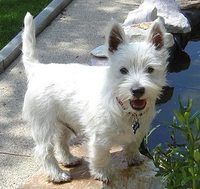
point(13, 49)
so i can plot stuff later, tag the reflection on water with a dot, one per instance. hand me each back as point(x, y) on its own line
point(185, 83)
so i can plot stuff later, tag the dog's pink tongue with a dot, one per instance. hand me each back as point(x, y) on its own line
point(138, 104)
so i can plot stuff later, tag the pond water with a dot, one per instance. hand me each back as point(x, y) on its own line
point(184, 82)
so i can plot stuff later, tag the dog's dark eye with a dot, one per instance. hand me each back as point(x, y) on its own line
point(150, 70)
point(123, 71)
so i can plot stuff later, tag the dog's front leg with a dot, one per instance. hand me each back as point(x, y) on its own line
point(132, 154)
point(99, 159)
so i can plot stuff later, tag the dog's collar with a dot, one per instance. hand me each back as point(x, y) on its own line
point(135, 117)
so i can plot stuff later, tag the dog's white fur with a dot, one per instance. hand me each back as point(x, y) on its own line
point(65, 97)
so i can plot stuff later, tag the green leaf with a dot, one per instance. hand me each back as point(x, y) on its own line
point(189, 105)
point(197, 124)
point(178, 128)
point(197, 155)
point(191, 171)
point(179, 117)
point(181, 108)
point(186, 115)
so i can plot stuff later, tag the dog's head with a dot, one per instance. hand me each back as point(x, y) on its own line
point(137, 70)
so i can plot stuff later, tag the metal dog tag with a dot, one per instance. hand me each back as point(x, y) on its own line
point(135, 126)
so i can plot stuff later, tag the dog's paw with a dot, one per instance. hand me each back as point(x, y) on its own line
point(135, 160)
point(61, 176)
point(72, 161)
point(101, 175)
point(105, 179)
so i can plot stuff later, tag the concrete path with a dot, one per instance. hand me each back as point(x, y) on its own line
point(69, 38)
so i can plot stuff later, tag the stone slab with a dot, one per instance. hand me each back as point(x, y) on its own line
point(80, 174)
point(123, 177)
point(185, 4)
point(174, 20)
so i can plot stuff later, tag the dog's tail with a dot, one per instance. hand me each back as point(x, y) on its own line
point(28, 43)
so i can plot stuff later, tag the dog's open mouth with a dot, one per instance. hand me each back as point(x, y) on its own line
point(138, 104)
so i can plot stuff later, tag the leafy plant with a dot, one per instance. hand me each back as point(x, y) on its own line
point(179, 163)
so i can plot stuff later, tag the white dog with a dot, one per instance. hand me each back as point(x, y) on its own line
point(111, 105)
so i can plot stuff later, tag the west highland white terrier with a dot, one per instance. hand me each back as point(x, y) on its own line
point(111, 105)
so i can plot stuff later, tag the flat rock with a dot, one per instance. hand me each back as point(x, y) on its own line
point(100, 51)
point(135, 177)
point(149, 10)
point(142, 14)
point(185, 4)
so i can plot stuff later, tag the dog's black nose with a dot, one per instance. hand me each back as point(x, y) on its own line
point(138, 92)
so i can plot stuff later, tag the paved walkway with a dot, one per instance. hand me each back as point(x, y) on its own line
point(69, 38)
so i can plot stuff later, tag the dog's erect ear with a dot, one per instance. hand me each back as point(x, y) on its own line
point(157, 33)
point(115, 37)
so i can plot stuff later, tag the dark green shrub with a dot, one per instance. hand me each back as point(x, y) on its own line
point(179, 164)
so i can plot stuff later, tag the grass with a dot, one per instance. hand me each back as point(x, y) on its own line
point(12, 13)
